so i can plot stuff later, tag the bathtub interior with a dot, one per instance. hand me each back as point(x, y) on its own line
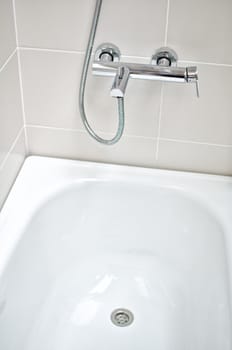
point(101, 245)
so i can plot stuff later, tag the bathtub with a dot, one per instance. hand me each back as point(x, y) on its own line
point(96, 256)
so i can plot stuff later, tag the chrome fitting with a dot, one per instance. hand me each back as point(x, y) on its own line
point(107, 52)
point(165, 57)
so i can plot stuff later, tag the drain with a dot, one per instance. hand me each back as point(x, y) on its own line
point(122, 317)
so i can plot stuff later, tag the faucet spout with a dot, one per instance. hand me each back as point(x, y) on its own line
point(120, 82)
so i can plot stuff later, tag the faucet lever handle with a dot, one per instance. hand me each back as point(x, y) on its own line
point(197, 88)
point(192, 77)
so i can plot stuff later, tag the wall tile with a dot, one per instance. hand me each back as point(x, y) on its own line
point(11, 167)
point(78, 145)
point(50, 85)
point(136, 27)
point(195, 157)
point(65, 24)
point(201, 30)
point(11, 120)
point(55, 24)
point(51, 96)
point(207, 119)
point(7, 30)
point(51, 81)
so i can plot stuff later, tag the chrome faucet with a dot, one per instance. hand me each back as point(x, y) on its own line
point(163, 68)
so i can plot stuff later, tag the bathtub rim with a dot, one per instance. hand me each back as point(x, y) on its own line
point(210, 190)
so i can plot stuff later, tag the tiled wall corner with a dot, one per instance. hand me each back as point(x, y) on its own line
point(12, 143)
point(10, 167)
point(51, 90)
point(175, 128)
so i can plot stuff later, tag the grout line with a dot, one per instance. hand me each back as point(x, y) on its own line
point(37, 126)
point(166, 26)
point(24, 48)
point(22, 99)
point(80, 52)
point(15, 23)
point(7, 60)
point(11, 148)
point(159, 122)
point(205, 63)
point(158, 138)
point(34, 126)
point(195, 142)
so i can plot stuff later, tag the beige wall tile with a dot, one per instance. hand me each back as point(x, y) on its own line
point(55, 24)
point(7, 30)
point(195, 157)
point(136, 27)
point(78, 145)
point(201, 30)
point(11, 120)
point(207, 119)
point(50, 85)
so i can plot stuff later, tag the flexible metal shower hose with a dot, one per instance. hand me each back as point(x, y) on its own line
point(120, 100)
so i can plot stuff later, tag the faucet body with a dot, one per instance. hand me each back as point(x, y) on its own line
point(147, 71)
point(162, 70)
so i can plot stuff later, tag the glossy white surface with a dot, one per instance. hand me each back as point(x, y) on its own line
point(87, 238)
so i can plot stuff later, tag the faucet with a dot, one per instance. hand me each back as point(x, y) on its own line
point(163, 68)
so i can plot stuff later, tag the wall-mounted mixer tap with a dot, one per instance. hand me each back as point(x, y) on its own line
point(107, 62)
point(163, 68)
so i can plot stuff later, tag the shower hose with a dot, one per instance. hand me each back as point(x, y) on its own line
point(120, 100)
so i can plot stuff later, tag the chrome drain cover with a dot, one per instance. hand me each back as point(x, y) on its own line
point(122, 317)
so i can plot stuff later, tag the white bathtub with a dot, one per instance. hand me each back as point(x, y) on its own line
point(79, 240)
